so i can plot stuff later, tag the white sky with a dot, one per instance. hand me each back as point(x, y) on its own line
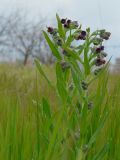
point(93, 13)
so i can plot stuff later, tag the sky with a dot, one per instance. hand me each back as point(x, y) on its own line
point(97, 14)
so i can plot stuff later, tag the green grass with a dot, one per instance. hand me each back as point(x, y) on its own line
point(34, 125)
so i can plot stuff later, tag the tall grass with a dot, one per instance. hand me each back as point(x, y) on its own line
point(31, 129)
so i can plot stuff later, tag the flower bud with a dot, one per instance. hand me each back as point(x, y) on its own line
point(84, 85)
point(59, 42)
point(97, 41)
point(90, 105)
point(105, 35)
point(74, 24)
point(103, 54)
point(102, 48)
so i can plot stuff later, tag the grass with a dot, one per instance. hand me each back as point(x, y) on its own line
point(34, 125)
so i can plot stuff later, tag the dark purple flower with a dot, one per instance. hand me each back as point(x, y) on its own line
point(98, 50)
point(63, 21)
point(81, 37)
point(66, 25)
point(102, 48)
point(68, 21)
point(83, 33)
point(99, 62)
point(50, 30)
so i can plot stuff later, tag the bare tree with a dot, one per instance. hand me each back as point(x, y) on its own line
point(25, 37)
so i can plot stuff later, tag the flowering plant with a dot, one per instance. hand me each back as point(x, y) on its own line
point(80, 58)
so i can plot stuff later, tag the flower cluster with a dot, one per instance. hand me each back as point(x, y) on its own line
point(95, 39)
point(89, 54)
point(81, 35)
point(98, 48)
point(69, 23)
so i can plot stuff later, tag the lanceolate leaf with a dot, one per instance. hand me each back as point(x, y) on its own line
point(60, 28)
point(46, 108)
point(73, 54)
point(102, 153)
point(86, 60)
point(61, 84)
point(101, 125)
point(38, 65)
point(52, 46)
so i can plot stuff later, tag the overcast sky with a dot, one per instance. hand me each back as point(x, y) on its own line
point(93, 13)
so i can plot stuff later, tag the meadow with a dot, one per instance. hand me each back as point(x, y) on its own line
point(26, 129)
point(65, 111)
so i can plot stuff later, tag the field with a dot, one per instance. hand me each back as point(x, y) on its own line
point(33, 129)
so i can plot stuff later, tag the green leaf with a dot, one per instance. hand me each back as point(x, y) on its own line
point(69, 40)
point(73, 54)
point(94, 136)
point(38, 65)
point(101, 154)
point(86, 58)
point(52, 46)
point(46, 108)
point(61, 86)
point(60, 28)
point(77, 80)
